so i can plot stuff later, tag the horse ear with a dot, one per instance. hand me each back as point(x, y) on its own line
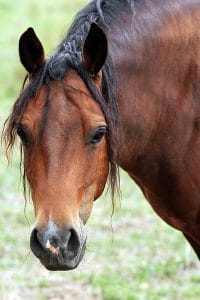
point(95, 50)
point(31, 52)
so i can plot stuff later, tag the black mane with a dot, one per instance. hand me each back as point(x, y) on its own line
point(68, 55)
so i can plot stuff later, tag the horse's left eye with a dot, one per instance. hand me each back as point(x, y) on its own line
point(98, 135)
point(21, 132)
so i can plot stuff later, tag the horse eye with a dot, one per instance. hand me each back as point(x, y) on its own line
point(98, 135)
point(21, 132)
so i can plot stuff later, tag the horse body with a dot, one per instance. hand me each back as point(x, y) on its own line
point(159, 108)
point(68, 131)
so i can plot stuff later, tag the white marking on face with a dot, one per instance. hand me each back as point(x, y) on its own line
point(52, 248)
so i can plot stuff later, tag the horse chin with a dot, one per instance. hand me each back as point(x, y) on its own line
point(61, 262)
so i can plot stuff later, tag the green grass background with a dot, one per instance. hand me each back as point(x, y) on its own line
point(142, 258)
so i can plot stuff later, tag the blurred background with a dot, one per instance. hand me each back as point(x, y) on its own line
point(133, 255)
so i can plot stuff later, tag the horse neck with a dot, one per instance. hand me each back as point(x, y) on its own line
point(153, 77)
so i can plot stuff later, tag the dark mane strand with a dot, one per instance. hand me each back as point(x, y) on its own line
point(69, 55)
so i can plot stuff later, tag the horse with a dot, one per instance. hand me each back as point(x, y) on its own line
point(121, 90)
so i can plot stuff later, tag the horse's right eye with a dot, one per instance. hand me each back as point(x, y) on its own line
point(98, 135)
point(21, 132)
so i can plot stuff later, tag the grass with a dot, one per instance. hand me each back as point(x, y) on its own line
point(142, 258)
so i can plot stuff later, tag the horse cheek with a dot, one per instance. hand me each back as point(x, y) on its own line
point(102, 170)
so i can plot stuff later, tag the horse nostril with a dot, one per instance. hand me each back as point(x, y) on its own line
point(35, 244)
point(73, 244)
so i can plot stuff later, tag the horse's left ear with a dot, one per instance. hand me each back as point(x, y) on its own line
point(95, 49)
point(31, 52)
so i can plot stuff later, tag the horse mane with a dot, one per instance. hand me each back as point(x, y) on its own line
point(68, 55)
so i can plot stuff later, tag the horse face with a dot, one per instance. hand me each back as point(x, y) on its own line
point(65, 155)
point(66, 166)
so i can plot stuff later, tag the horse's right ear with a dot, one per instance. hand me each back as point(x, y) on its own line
point(31, 52)
point(95, 49)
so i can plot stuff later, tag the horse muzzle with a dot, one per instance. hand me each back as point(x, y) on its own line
point(58, 250)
